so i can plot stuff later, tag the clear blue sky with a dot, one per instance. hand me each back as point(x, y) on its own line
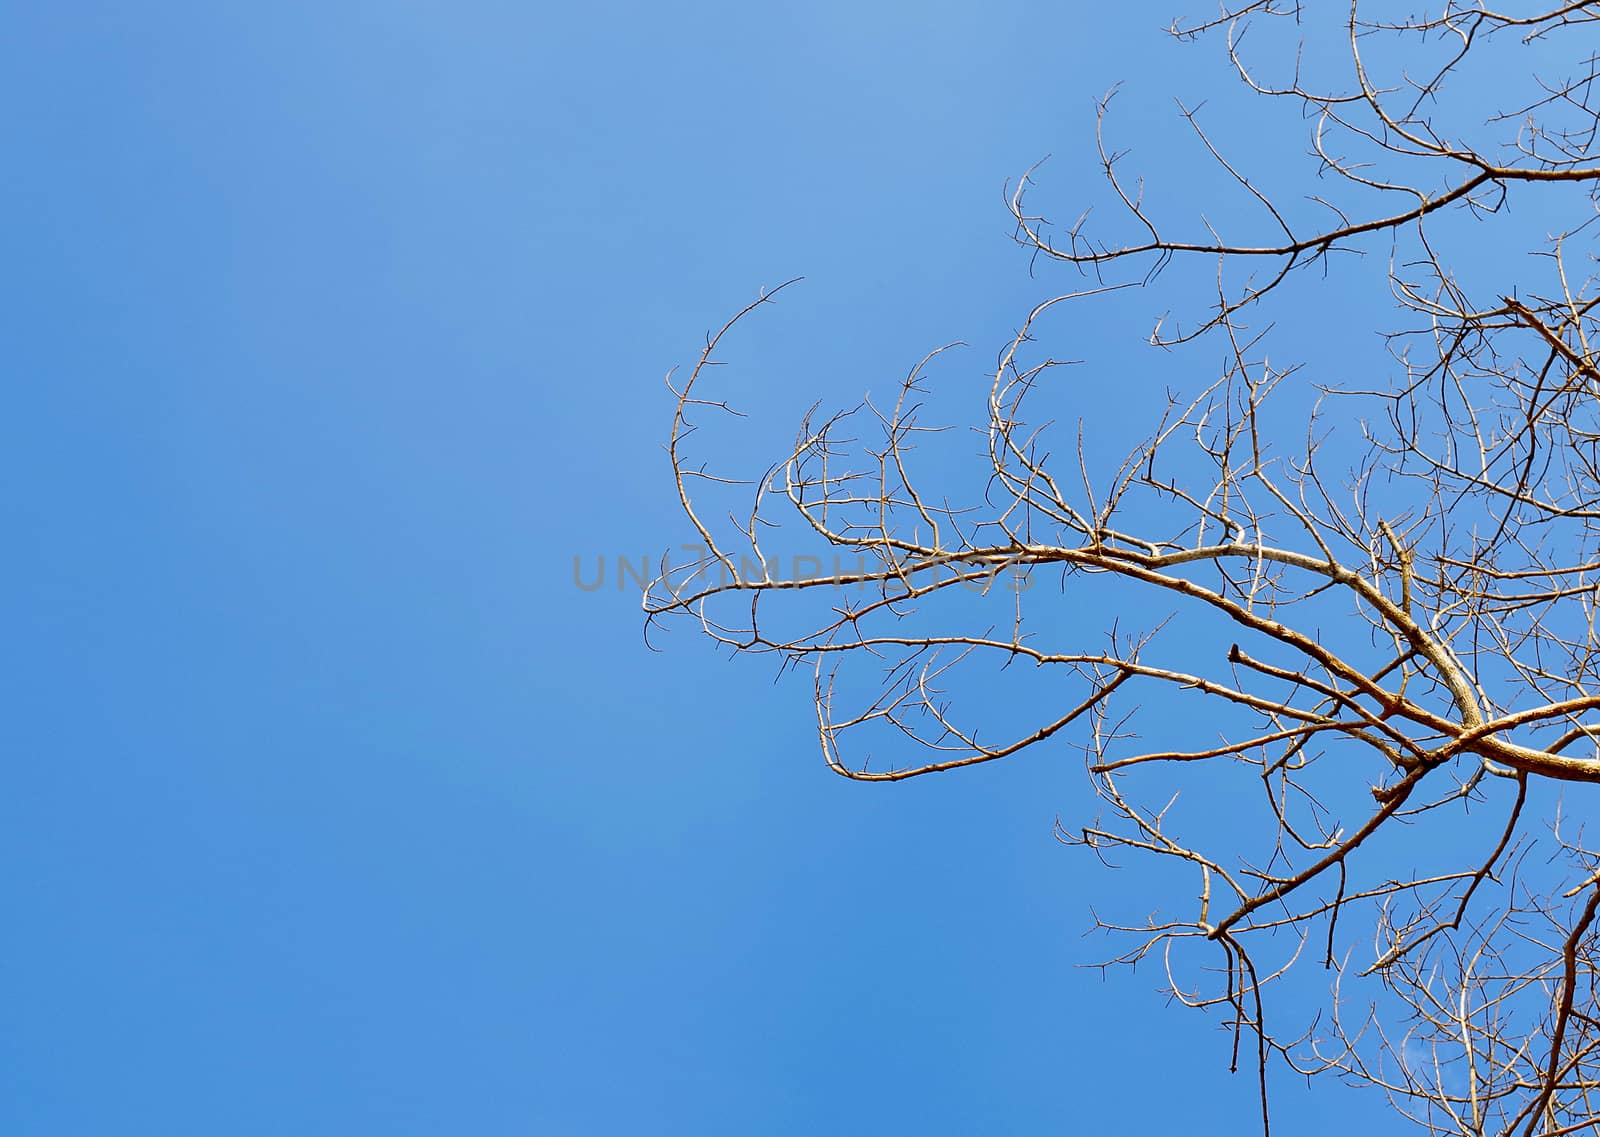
point(333, 332)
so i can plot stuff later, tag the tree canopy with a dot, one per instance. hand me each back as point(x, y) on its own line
point(1323, 630)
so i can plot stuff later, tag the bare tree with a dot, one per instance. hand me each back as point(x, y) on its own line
point(1349, 674)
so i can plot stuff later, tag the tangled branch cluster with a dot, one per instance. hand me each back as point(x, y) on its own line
point(1396, 592)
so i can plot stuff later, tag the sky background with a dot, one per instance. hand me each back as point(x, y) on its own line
point(335, 332)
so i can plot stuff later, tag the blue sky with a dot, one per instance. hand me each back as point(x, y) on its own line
point(336, 332)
